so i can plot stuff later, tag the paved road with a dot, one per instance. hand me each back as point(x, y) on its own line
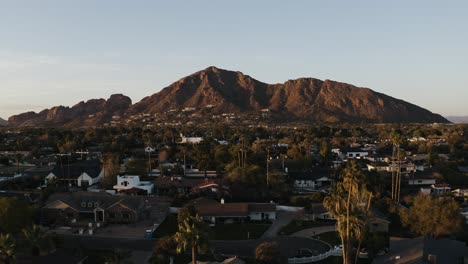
point(310, 232)
point(282, 219)
point(289, 246)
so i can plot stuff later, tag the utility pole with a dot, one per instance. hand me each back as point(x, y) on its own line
point(267, 167)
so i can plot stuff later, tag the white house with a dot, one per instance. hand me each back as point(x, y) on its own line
point(417, 182)
point(129, 182)
point(356, 154)
point(309, 181)
point(190, 140)
point(439, 189)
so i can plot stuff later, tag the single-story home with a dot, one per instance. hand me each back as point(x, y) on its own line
point(92, 207)
point(309, 180)
point(220, 212)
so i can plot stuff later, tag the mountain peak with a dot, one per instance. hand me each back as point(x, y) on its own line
point(215, 91)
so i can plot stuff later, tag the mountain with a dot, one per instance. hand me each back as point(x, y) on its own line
point(89, 113)
point(301, 99)
point(3, 122)
point(458, 119)
point(214, 90)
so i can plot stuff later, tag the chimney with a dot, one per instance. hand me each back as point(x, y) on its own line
point(222, 200)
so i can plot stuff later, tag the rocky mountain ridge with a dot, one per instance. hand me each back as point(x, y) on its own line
point(217, 91)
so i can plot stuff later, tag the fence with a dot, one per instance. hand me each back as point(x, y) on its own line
point(332, 252)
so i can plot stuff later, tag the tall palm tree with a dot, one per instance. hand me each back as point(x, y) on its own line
point(349, 203)
point(397, 140)
point(192, 233)
point(34, 236)
point(7, 249)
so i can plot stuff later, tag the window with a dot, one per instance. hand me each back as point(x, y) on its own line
point(96, 204)
point(83, 204)
point(90, 204)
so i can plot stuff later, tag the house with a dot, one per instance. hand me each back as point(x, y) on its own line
point(132, 183)
point(220, 212)
point(460, 193)
point(464, 213)
point(423, 250)
point(93, 207)
point(378, 222)
point(80, 173)
point(169, 184)
point(196, 173)
point(420, 182)
point(310, 180)
point(378, 166)
point(212, 187)
point(440, 189)
point(319, 213)
point(190, 140)
point(356, 153)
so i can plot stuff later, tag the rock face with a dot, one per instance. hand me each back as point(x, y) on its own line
point(3, 122)
point(90, 113)
point(301, 99)
point(215, 90)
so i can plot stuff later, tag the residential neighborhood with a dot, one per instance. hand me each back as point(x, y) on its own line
point(258, 188)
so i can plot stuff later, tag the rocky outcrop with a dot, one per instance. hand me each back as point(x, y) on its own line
point(90, 113)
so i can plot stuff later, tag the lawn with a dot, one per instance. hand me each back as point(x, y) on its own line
point(331, 238)
point(237, 231)
point(219, 232)
point(298, 225)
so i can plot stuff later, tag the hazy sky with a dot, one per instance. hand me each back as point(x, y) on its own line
point(61, 52)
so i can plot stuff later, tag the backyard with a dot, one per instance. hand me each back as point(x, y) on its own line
point(219, 232)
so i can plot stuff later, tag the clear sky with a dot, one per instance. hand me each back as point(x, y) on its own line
point(61, 52)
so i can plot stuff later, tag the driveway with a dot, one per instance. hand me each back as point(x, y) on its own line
point(310, 232)
point(282, 218)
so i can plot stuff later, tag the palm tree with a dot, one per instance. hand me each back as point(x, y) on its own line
point(192, 233)
point(119, 256)
point(7, 249)
point(396, 170)
point(166, 248)
point(349, 203)
point(34, 236)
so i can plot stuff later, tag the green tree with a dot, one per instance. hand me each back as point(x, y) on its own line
point(166, 248)
point(324, 152)
point(14, 215)
point(192, 234)
point(36, 238)
point(267, 253)
point(349, 203)
point(111, 170)
point(432, 216)
point(7, 249)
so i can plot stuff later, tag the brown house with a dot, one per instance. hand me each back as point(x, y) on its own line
point(220, 212)
point(96, 207)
